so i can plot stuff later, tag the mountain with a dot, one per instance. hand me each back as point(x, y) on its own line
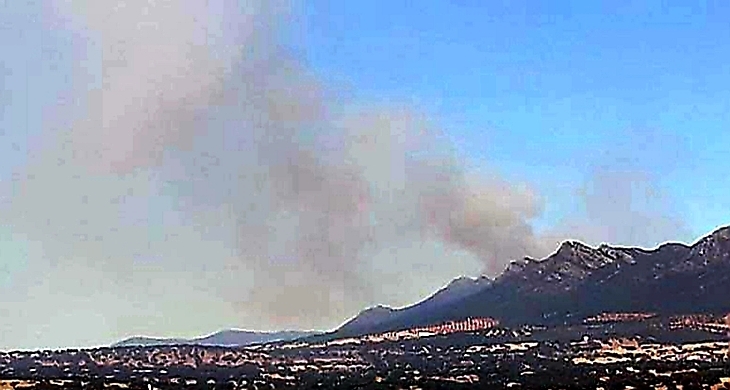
point(369, 318)
point(376, 317)
point(148, 341)
point(577, 281)
point(223, 338)
point(457, 289)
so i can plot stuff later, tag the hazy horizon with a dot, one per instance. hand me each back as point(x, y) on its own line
point(176, 168)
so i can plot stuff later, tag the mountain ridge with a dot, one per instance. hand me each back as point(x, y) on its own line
point(225, 338)
point(578, 279)
point(574, 281)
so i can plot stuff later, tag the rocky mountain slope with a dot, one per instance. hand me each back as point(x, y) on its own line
point(578, 281)
point(369, 318)
point(222, 338)
point(457, 290)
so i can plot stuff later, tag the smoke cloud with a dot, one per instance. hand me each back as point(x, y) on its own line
point(195, 161)
point(622, 201)
point(626, 208)
point(193, 143)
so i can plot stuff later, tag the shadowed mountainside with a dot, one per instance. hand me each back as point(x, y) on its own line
point(578, 281)
point(223, 338)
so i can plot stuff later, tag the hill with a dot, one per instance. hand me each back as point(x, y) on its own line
point(376, 317)
point(577, 281)
point(223, 338)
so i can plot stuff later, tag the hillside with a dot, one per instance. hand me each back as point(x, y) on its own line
point(578, 281)
point(222, 338)
point(457, 290)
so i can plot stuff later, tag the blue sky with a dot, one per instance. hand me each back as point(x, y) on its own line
point(536, 92)
point(539, 90)
point(627, 101)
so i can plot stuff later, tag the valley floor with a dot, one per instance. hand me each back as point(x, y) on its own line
point(647, 354)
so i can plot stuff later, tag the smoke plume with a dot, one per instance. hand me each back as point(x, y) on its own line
point(193, 143)
point(622, 200)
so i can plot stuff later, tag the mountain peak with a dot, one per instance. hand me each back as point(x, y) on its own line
point(573, 246)
point(517, 266)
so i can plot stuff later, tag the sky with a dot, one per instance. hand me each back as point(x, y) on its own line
point(168, 175)
point(540, 91)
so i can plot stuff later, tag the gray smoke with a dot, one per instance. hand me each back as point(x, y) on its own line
point(622, 201)
point(193, 143)
point(197, 165)
point(627, 208)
